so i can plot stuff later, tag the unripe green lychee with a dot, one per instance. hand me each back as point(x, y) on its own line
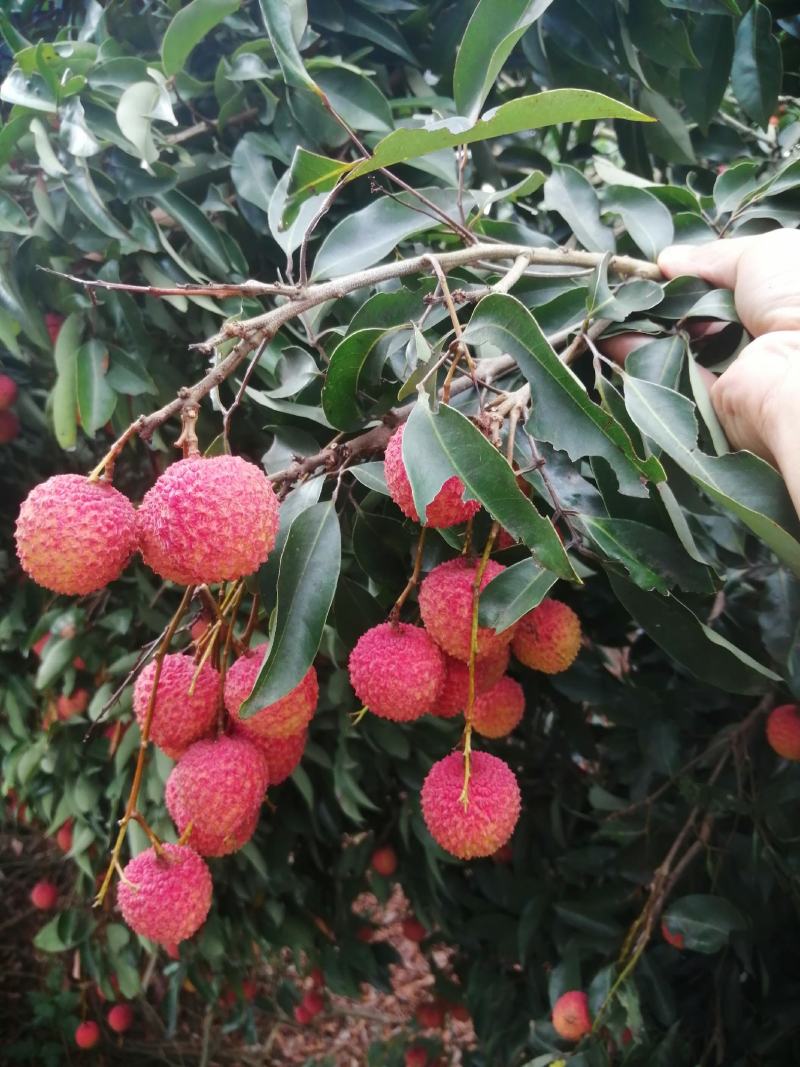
point(548, 638)
point(446, 598)
point(453, 696)
point(165, 898)
point(491, 812)
point(182, 714)
point(75, 536)
point(396, 671)
point(286, 717)
point(499, 710)
point(571, 1019)
point(783, 731)
point(448, 508)
point(208, 520)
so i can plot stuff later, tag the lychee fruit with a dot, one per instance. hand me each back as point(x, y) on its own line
point(446, 599)
point(120, 1018)
point(287, 716)
point(301, 1015)
point(674, 938)
point(396, 671)
point(492, 808)
point(53, 323)
point(75, 536)
point(9, 427)
point(413, 930)
point(416, 1056)
point(317, 978)
point(44, 895)
point(39, 647)
point(167, 897)
point(180, 716)
point(215, 787)
point(454, 694)
point(313, 1003)
point(460, 1012)
point(384, 861)
point(446, 509)
point(571, 1019)
point(64, 836)
point(67, 706)
point(548, 637)
point(8, 391)
point(208, 520)
point(499, 710)
point(783, 731)
point(430, 1015)
point(87, 1034)
point(283, 754)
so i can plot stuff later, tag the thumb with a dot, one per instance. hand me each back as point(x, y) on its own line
point(716, 262)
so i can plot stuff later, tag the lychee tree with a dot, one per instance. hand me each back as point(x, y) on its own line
point(322, 483)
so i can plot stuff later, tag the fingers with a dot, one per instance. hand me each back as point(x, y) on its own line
point(716, 262)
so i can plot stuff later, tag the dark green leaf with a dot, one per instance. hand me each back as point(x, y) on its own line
point(517, 590)
point(277, 15)
point(646, 219)
point(65, 390)
point(309, 174)
point(757, 65)
point(703, 89)
point(198, 227)
point(653, 559)
point(96, 398)
point(572, 196)
point(340, 392)
point(188, 28)
point(706, 922)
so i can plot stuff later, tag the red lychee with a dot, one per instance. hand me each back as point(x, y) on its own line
point(416, 1056)
point(430, 1015)
point(165, 898)
point(453, 695)
point(180, 716)
point(40, 645)
point(216, 787)
point(64, 835)
point(396, 671)
point(491, 812)
point(312, 1003)
point(44, 895)
point(208, 520)
point(286, 717)
point(446, 509)
point(301, 1015)
point(283, 754)
point(413, 930)
point(783, 731)
point(499, 710)
point(76, 704)
point(87, 1034)
point(571, 1019)
point(548, 637)
point(317, 978)
point(9, 427)
point(8, 391)
point(674, 938)
point(53, 323)
point(445, 601)
point(384, 861)
point(120, 1018)
point(75, 536)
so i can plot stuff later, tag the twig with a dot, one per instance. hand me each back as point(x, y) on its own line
point(413, 580)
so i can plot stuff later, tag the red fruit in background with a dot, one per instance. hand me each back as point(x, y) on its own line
point(172, 951)
point(64, 836)
point(414, 930)
point(249, 989)
point(675, 939)
point(120, 1018)
point(317, 978)
point(571, 1019)
point(87, 1035)
point(39, 647)
point(430, 1015)
point(384, 861)
point(9, 427)
point(783, 731)
point(626, 1036)
point(66, 706)
point(8, 391)
point(301, 1015)
point(459, 1012)
point(365, 933)
point(416, 1056)
point(44, 895)
point(53, 323)
point(313, 1003)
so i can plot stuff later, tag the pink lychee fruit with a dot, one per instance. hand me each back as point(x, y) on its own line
point(64, 835)
point(181, 715)
point(446, 597)
point(53, 323)
point(87, 1035)
point(167, 897)
point(75, 536)
point(499, 710)
point(384, 861)
point(215, 788)
point(571, 1019)
point(9, 427)
point(454, 694)
point(208, 520)
point(492, 807)
point(396, 671)
point(120, 1018)
point(44, 895)
point(283, 754)
point(287, 716)
point(446, 509)
point(548, 638)
point(783, 731)
point(8, 391)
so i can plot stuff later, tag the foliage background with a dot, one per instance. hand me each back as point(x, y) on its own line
point(90, 92)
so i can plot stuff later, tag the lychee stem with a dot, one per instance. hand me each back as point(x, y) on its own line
point(110, 458)
point(188, 437)
point(412, 581)
point(151, 835)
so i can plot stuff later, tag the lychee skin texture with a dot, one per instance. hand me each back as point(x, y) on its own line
point(396, 671)
point(287, 716)
point(283, 754)
point(217, 786)
point(571, 1019)
point(44, 895)
point(120, 1018)
point(384, 861)
point(9, 427)
point(208, 520)
point(783, 731)
point(165, 898)
point(87, 1035)
point(446, 509)
point(454, 694)
point(492, 810)
point(499, 710)
point(179, 717)
point(445, 602)
point(548, 638)
point(413, 930)
point(430, 1015)
point(673, 938)
point(75, 536)
point(8, 391)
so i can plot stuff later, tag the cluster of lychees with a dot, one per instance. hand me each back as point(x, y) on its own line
point(400, 671)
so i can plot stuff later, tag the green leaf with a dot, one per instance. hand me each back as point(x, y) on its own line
point(563, 414)
point(12, 218)
point(704, 89)
point(706, 922)
point(340, 392)
point(307, 577)
point(437, 445)
point(646, 219)
point(659, 361)
point(252, 171)
point(309, 174)
point(202, 232)
point(96, 398)
point(513, 593)
point(660, 35)
point(371, 475)
point(653, 559)
point(525, 187)
point(639, 294)
point(65, 390)
point(50, 162)
point(48, 939)
point(83, 193)
point(32, 92)
point(678, 631)
point(740, 482)
point(488, 40)
point(356, 98)
point(188, 28)
point(757, 65)
point(57, 655)
point(571, 195)
point(302, 497)
point(670, 138)
point(277, 15)
point(137, 107)
point(525, 113)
